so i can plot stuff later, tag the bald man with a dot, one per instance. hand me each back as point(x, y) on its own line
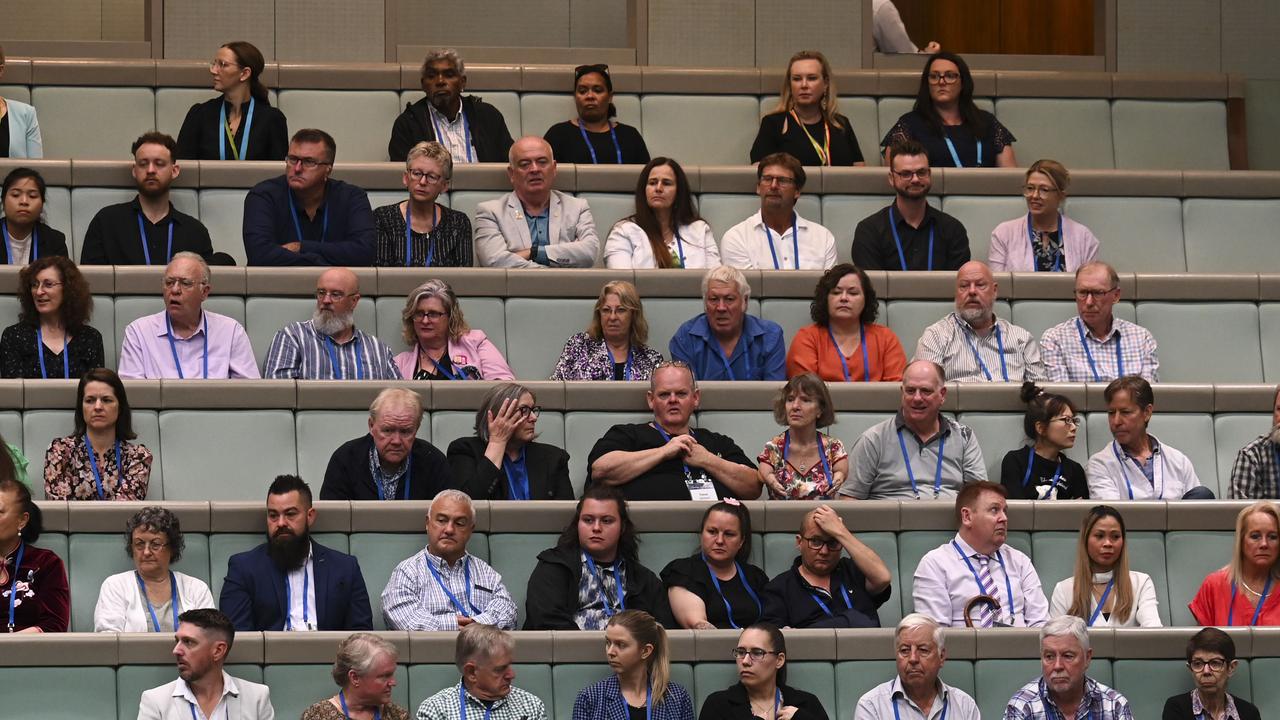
point(534, 226)
point(972, 344)
point(328, 346)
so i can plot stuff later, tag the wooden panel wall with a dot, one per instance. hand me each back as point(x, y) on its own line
point(1028, 27)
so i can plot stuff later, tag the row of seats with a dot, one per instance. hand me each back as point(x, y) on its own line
point(837, 666)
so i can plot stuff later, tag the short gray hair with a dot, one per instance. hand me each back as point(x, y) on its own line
point(396, 397)
point(193, 257)
point(444, 54)
point(918, 620)
point(1065, 625)
point(457, 496)
point(729, 275)
point(359, 652)
point(161, 521)
point(431, 150)
point(477, 642)
point(492, 403)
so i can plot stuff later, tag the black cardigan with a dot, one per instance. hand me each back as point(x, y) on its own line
point(268, 137)
point(732, 704)
point(489, 134)
point(51, 242)
point(477, 476)
point(348, 476)
point(552, 598)
point(1178, 707)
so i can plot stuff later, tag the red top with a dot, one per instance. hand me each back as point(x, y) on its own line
point(43, 598)
point(1212, 603)
point(812, 351)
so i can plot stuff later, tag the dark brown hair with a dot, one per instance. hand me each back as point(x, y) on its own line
point(684, 210)
point(628, 540)
point(248, 55)
point(818, 309)
point(785, 160)
point(156, 138)
point(124, 421)
point(813, 386)
point(1041, 407)
point(969, 113)
point(77, 298)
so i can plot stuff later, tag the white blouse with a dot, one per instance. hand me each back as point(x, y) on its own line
point(1146, 607)
point(121, 607)
point(628, 246)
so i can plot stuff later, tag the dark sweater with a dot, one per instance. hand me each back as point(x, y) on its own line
point(552, 598)
point(348, 476)
point(489, 134)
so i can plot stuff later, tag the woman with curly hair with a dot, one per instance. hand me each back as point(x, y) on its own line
point(52, 338)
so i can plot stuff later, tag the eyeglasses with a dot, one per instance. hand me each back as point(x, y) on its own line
point(43, 285)
point(217, 64)
point(1216, 665)
point(334, 295)
point(1095, 294)
point(817, 543)
point(532, 411)
point(908, 174)
point(431, 315)
point(781, 180)
point(186, 284)
point(1074, 420)
point(614, 310)
point(430, 177)
point(154, 546)
point(306, 162)
point(756, 653)
point(943, 78)
point(1040, 190)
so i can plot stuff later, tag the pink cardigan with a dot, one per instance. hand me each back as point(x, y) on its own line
point(472, 350)
point(1011, 248)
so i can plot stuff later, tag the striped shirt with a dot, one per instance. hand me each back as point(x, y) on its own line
point(455, 134)
point(889, 700)
point(517, 705)
point(1100, 703)
point(298, 352)
point(1256, 473)
point(1006, 354)
point(414, 600)
point(1066, 359)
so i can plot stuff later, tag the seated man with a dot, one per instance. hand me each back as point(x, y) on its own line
point(534, 226)
point(910, 234)
point(1135, 465)
point(471, 129)
point(204, 637)
point(444, 587)
point(1256, 472)
point(800, 245)
point(1097, 346)
point(328, 346)
point(391, 462)
point(972, 344)
point(724, 342)
point(1063, 690)
point(667, 459)
point(292, 582)
point(184, 340)
point(485, 656)
point(305, 218)
point(147, 230)
point(823, 589)
point(916, 692)
point(977, 562)
point(593, 571)
point(885, 461)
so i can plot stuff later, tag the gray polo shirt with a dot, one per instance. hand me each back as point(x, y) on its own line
point(878, 468)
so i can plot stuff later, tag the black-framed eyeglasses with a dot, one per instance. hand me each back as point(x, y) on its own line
point(306, 162)
point(817, 543)
point(941, 78)
point(756, 653)
point(431, 315)
point(923, 174)
point(782, 180)
point(532, 411)
point(1095, 294)
point(1075, 420)
point(420, 175)
point(1216, 665)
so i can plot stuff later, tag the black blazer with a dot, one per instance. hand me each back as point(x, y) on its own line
point(348, 476)
point(49, 242)
point(268, 136)
point(732, 704)
point(489, 134)
point(1178, 707)
point(253, 592)
point(477, 476)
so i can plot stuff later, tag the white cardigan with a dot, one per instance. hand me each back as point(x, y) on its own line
point(121, 608)
point(1146, 607)
point(628, 247)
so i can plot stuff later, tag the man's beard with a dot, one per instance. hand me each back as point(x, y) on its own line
point(288, 551)
point(329, 322)
point(974, 315)
point(152, 193)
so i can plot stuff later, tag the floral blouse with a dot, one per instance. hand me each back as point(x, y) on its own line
point(813, 484)
point(586, 359)
point(68, 474)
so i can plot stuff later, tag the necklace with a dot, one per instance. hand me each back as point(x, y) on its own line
point(1249, 589)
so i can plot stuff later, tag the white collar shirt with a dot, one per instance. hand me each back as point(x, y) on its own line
point(750, 245)
point(1114, 475)
point(302, 589)
point(889, 700)
point(943, 584)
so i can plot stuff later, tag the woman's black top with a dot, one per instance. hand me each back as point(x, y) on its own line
point(1013, 470)
point(732, 704)
point(1178, 707)
point(46, 243)
point(4, 136)
point(449, 243)
point(692, 574)
point(914, 126)
point(567, 146)
point(18, 358)
point(198, 138)
point(779, 132)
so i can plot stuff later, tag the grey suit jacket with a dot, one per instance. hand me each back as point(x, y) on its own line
point(502, 230)
point(24, 131)
point(245, 701)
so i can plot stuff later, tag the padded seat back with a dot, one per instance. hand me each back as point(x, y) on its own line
point(264, 446)
point(1198, 553)
point(539, 111)
point(700, 129)
point(981, 215)
point(1135, 234)
point(222, 212)
point(1170, 135)
point(1225, 235)
point(95, 687)
point(350, 116)
point(320, 432)
point(514, 556)
point(1233, 356)
point(538, 328)
point(1076, 131)
point(1231, 432)
point(120, 115)
point(1269, 324)
point(379, 555)
point(582, 430)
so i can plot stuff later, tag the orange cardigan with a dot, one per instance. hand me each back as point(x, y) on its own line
point(812, 351)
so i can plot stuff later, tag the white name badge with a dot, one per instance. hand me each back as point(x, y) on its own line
point(701, 488)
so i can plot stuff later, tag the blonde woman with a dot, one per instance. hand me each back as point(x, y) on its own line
point(1104, 592)
point(444, 346)
point(1244, 592)
point(637, 652)
point(806, 123)
point(1044, 240)
point(613, 347)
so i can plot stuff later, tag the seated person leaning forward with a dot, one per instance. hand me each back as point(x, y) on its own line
point(724, 342)
point(391, 462)
point(823, 589)
point(717, 587)
point(916, 691)
point(1135, 465)
point(668, 459)
point(502, 460)
point(977, 562)
point(594, 570)
point(444, 587)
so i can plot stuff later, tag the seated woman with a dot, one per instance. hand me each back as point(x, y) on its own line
point(53, 337)
point(1135, 465)
point(635, 646)
point(807, 123)
point(1045, 240)
point(97, 462)
point(502, 461)
point(150, 597)
point(1042, 471)
point(1211, 658)
point(803, 405)
point(240, 124)
point(845, 343)
point(762, 690)
point(33, 580)
point(594, 137)
point(666, 230)
point(717, 587)
point(1243, 592)
point(613, 347)
point(444, 346)
point(365, 671)
point(26, 236)
point(19, 127)
point(1104, 592)
point(440, 237)
point(948, 123)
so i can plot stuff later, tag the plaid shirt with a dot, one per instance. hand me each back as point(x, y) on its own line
point(298, 352)
point(593, 593)
point(1100, 703)
point(1256, 474)
point(1066, 361)
point(517, 705)
point(413, 600)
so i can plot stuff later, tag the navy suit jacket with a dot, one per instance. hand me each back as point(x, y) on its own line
point(253, 591)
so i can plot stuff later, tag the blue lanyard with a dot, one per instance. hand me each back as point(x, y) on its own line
point(226, 134)
point(1050, 709)
point(795, 242)
point(1088, 354)
point(822, 455)
point(342, 698)
point(617, 149)
point(617, 579)
point(35, 243)
point(844, 362)
point(13, 586)
point(679, 246)
point(897, 240)
point(742, 578)
point(517, 476)
point(332, 347)
point(288, 605)
point(173, 599)
point(146, 250)
point(225, 708)
point(462, 704)
point(1057, 474)
point(666, 438)
point(1058, 257)
point(945, 701)
point(408, 234)
point(66, 355)
point(1231, 609)
point(746, 357)
point(1004, 369)
point(466, 130)
point(1008, 585)
point(843, 593)
point(626, 710)
point(173, 347)
point(1124, 471)
point(408, 477)
point(442, 370)
point(466, 579)
point(297, 226)
point(955, 156)
point(1103, 601)
point(911, 474)
point(97, 474)
point(626, 370)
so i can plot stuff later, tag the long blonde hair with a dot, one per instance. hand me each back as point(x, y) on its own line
point(1082, 593)
point(646, 631)
point(787, 103)
point(1236, 568)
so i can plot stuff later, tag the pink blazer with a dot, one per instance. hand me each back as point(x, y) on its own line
point(1011, 248)
point(473, 351)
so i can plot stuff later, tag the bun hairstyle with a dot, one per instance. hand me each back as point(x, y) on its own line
point(1042, 406)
